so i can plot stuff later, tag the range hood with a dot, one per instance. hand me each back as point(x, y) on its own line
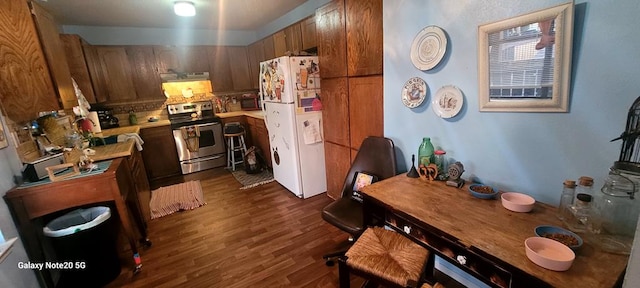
point(182, 77)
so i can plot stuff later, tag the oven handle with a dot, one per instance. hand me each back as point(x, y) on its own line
point(203, 159)
point(199, 125)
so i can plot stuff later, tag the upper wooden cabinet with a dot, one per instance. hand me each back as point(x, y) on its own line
point(269, 48)
point(293, 38)
point(255, 55)
point(280, 43)
point(308, 33)
point(220, 68)
point(146, 79)
point(332, 41)
point(75, 52)
point(364, 37)
point(181, 59)
point(116, 74)
point(240, 68)
point(25, 83)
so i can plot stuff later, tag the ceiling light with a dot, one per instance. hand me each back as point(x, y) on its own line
point(184, 8)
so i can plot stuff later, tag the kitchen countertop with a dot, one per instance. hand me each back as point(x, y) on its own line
point(165, 122)
point(110, 151)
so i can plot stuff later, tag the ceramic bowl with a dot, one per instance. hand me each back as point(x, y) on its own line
point(153, 119)
point(480, 194)
point(549, 254)
point(559, 234)
point(517, 202)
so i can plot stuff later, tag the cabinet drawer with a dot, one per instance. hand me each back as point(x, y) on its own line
point(452, 251)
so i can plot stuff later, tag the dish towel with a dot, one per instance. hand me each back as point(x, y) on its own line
point(191, 135)
point(126, 136)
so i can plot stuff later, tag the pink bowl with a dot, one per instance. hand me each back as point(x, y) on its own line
point(549, 254)
point(517, 202)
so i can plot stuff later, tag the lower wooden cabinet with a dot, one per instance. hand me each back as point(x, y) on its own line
point(260, 137)
point(141, 184)
point(159, 153)
point(337, 163)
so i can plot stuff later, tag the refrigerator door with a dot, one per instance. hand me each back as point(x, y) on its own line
point(311, 151)
point(305, 77)
point(275, 85)
point(280, 120)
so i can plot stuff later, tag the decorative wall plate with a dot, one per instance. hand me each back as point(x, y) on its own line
point(448, 101)
point(414, 92)
point(428, 48)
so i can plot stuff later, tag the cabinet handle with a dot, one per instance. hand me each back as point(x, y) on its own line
point(462, 259)
point(407, 229)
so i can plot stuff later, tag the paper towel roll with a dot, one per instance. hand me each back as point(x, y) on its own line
point(93, 116)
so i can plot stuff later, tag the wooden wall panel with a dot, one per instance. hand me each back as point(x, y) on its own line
point(335, 110)
point(25, 82)
point(365, 108)
point(337, 164)
point(332, 44)
point(364, 37)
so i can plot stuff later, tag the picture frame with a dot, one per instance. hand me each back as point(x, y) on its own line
point(360, 180)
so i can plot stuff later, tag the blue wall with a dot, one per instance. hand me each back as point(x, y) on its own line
point(527, 152)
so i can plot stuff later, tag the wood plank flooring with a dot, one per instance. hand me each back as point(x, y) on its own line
point(259, 237)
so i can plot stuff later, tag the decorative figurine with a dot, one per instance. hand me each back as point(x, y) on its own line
point(429, 172)
point(455, 171)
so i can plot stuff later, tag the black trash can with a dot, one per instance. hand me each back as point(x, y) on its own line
point(85, 245)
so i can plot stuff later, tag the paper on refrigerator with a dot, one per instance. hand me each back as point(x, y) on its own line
point(312, 131)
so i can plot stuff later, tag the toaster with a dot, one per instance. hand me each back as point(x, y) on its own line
point(35, 170)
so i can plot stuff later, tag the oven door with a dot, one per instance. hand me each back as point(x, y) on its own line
point(199, 152)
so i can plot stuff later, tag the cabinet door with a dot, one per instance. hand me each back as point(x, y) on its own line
point(280, 43)
point(269, 48)
point(364, 37)
point(308, 32)
point(146, 79)
point(116, 72)
point(25, 84)
point(256, 55)
point(335, 110)
point(167, 59)
point(240, 68)
point(365, 92)
point(332, 43)
point(160, 154)
point(262, 140)
point(220, 69)
point(338, 163)
point(194, 59)
point(77, 64)
point(55, 55)
point(293, 38)
point(142, 189)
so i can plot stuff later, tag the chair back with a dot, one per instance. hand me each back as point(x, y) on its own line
point(376, 156)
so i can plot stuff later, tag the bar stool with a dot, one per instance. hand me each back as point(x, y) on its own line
point(386, 258)
point(234, 134)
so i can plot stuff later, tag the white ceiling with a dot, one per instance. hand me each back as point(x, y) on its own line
point(210, 14)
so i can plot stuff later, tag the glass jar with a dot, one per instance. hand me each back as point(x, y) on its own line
point(580, 211)
point(616, 211)
point(438, 159)
point(566, 199)
point(585, 186)
point(425, 152)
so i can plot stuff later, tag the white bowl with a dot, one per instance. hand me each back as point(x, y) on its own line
point(517, 202)
point(549, 254)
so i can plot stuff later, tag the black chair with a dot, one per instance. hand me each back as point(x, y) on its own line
point(375, 157)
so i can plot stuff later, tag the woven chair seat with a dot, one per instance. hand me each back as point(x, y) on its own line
point(387, 255)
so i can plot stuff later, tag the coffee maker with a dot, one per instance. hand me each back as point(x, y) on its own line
point(106, 118)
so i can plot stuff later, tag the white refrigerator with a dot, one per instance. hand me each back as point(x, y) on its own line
point(290, 94)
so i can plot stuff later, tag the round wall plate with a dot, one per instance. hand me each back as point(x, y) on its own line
point(413, 92)
point(448, 101)
point(428, 48)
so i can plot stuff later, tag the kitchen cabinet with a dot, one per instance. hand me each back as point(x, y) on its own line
point(220, 68)
point(260, 137)
point(181, 59)
point(239, 68)
point(141, 185)
point(293, 38)
point(55, 55)
point(146, 79)
point(167, 58)
point(279, 43)
point(116, 77)
point(74, 48)
point(308, 33)
point(364, 37)
point(332, 41)
point(338, 162)
point(256, 55)
point(365, 92)
point(159, 154)
point(349, 35)
point(25, 86)
point(269, 48)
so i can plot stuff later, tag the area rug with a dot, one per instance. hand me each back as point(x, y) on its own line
point(171, 199)
point(252, 180)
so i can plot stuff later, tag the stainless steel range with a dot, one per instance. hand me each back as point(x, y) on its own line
point(198, 136)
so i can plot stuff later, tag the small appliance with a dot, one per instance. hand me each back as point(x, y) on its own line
point(106, 118)
point(250, 102)
point(35, 170)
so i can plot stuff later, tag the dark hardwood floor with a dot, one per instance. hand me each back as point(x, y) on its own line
point(259, 237)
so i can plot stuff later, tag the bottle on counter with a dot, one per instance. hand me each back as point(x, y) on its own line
point(425, 152)
point(566, 199)
point(585, 186)
point(133, 119)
